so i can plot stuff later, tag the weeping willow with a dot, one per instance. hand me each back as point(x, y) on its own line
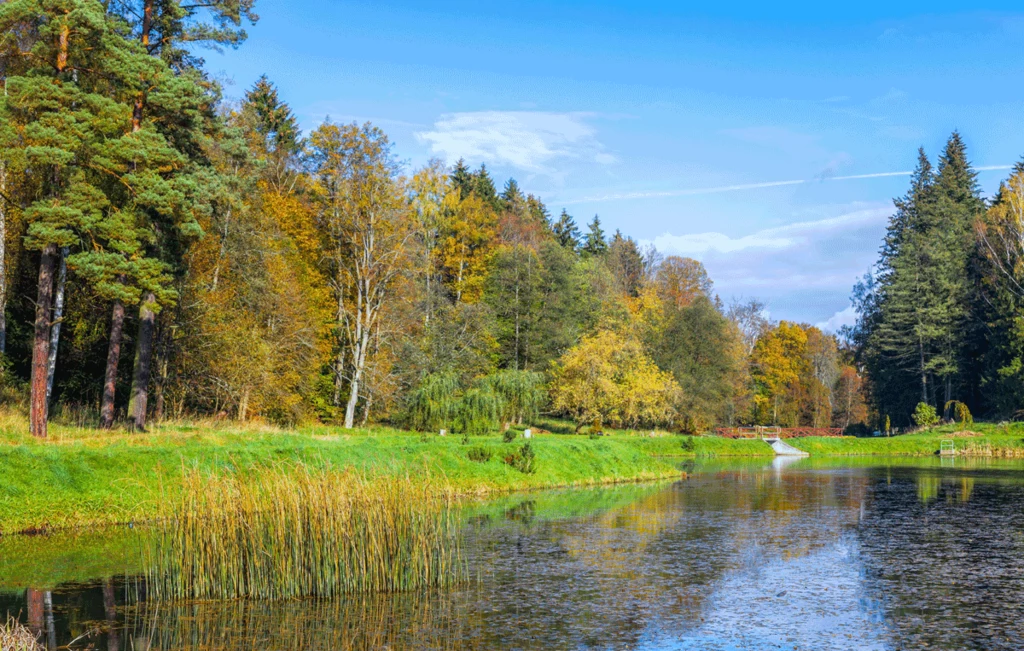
point(433, 405)
point(503, 397)
point(521, 392)
point(479, 411)
point(959, 412)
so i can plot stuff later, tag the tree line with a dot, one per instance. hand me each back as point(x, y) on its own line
point(167, 253)
point(939, 315)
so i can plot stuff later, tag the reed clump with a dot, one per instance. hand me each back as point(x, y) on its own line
point(15, 636)
point(294, 532)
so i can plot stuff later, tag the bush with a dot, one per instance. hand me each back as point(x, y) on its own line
point(509, 435)
point(523, 460)
point(688, 443)
point(924, 415)
point(479, 454)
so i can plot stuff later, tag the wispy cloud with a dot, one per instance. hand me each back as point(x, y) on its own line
point(529, 140)
point(781, 237)
point(804, 269)
point(749, 186)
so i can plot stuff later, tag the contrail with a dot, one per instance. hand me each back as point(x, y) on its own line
point(750, 186)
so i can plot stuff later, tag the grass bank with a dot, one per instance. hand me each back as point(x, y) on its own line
point(86, 477)
point(83, 477)
point(996, 440)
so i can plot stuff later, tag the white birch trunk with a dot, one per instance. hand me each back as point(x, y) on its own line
point(58, 315)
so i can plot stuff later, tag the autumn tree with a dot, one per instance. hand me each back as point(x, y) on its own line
point(680, 281)
point(778, 363)
point(609, 379)
point(365, 216)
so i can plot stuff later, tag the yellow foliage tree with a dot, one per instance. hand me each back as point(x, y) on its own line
point(778, 362)
point(466, 246)
point(609, 379)
point(680, 281)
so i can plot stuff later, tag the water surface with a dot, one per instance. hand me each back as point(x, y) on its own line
point(813, 554)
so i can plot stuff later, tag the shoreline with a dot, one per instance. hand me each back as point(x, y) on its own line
point(83, 478)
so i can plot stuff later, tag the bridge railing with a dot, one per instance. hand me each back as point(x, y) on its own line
point(760, 431)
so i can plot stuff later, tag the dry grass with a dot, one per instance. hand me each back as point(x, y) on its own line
point(14, 636)
point(293, 532)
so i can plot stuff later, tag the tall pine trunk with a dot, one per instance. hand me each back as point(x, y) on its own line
point(58, 316)
point(41, 341)
point(113, 360)
point(143, 364)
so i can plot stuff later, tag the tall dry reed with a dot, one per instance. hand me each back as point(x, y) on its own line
point(15, 636)
point(292, 533)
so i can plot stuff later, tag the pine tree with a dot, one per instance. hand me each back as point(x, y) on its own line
point(914, 313)
point(71, 139)
point(512, 199)
point(483, 187)
point(594, 242)
point(565, 231)
point(275, 137)
point(182, 107)
point(463, 180)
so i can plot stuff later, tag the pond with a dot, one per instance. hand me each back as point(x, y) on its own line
point(805, 554)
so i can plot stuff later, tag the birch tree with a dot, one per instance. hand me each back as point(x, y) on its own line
point(365, 219)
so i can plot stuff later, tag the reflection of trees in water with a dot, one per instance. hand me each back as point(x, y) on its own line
point(404, 621)
point(625, 563)
point(606, 579)
point(944, 555)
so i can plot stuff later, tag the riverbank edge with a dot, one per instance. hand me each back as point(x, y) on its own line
point(85, 479)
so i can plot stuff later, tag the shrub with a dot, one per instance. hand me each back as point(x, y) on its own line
point(479, 454)
point(924, 415)
point(509, 435)
point(523, 460)
point(688, 443)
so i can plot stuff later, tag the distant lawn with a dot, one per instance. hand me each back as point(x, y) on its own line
point(995, 440)
point(82, 476)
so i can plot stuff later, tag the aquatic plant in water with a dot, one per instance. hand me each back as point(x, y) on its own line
point(293, 532)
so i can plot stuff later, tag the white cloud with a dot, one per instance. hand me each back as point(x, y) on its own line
point(528, 140)
point(804, 270)
point(782, 237)
point(846, 317)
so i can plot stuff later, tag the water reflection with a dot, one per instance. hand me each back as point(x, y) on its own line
point(804, 555)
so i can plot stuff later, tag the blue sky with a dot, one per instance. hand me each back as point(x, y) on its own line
point(723, 132)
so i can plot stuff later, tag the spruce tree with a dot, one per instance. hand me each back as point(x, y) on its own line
point(512, 199)
point(483, 187)
point(463, 180)
point(275, 137)
point(565, 231)
point(914, 315)
point(594, 242)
